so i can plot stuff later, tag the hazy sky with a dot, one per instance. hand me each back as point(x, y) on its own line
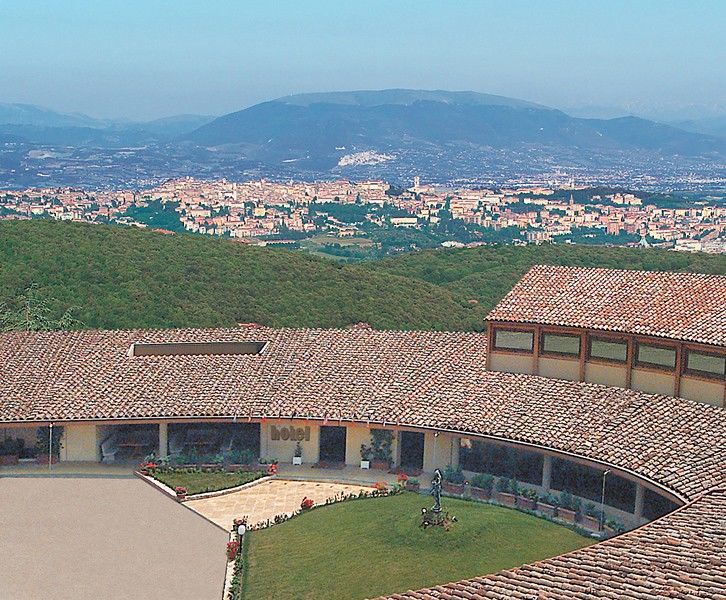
point(146, 59)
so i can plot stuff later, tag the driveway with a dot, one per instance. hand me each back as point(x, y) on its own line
point(115, 539)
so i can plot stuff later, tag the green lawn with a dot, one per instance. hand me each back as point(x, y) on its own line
point(197, 482)
point(366, 548)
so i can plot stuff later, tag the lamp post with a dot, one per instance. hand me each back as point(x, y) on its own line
point(602, 500)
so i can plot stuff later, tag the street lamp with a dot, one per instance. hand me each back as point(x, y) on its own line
point(602, 500)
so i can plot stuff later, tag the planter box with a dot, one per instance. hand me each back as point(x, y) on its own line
point(9, 459)
point(42, 459)
point(365, 464)
point(566, 514)
point(506, 499)
point(379, 464)
point(413, 487)
point(297, 460)
point(480, 493)
point(591, 523)
point(453, 488)
point(547, 509)
point(526, 503)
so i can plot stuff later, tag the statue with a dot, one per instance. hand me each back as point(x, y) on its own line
point(436, 491)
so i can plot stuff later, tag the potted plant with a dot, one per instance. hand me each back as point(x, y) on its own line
point(413, 485)
point(365, 456)
point(10, 450)
point(527, 499)
point(482, 485)
point(307, 503)
point(504, 493)
point(181, 493)
point(547, 505)
point(48, 450)
point(591, 519)
point(297, 457)
point(567, 510)
point(453, 480)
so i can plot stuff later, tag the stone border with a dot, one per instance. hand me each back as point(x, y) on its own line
point(229, 568)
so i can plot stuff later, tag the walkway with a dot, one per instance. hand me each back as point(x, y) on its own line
point(89, 538)
point(268, 499)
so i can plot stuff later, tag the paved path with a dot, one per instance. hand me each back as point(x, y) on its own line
point(110, 539)
point(267, 499)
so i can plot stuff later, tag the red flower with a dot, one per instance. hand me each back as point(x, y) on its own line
point(180, 490)
point(402, 477)
point(232, 550)
point(306, 503)
point(381, 486)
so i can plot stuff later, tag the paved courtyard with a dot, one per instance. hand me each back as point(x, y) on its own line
point(265, 500)
point(71, 538)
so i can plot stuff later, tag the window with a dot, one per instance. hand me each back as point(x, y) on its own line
point(604, 349)
point(560, 344)
point(656, 356)
point(195, 348)
point(709, 365)
point(519, 341)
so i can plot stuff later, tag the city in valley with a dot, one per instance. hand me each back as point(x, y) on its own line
point(372, 218)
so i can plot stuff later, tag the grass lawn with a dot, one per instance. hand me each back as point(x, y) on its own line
point(366, 548)
point(198, 482)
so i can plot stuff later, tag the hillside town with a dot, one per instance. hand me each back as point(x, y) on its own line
point(265, 212)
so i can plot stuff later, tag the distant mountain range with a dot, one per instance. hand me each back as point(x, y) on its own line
point(388, 133)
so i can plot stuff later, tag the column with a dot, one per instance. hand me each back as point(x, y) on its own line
point(547, 473)
point(639, 501)
point(163, 440)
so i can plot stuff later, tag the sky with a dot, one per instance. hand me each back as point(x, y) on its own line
point(144, 59)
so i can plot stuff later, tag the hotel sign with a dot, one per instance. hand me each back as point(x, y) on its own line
point(294, 434)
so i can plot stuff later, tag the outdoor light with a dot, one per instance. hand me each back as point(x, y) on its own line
point(241, 530)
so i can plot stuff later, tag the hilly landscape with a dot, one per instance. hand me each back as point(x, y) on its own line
point(385, 134)
point(121, 277)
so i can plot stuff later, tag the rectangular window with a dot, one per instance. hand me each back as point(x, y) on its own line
point(656, 356)
point(560, 344)
point(507, 339)
point(195, 348)
point(710, 365)
point(603, 349)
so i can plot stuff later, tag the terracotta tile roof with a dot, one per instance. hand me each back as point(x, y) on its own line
point(423, 379)
point(682, 306)
point(680, 555)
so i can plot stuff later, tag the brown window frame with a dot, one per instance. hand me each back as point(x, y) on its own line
point(543, 352)
point(696, 372)
point(612, 340)
point(512, 330)
point(648, 365)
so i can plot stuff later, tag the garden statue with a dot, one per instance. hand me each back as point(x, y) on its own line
point(436, 491)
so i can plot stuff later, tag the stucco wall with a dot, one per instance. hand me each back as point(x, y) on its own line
point(440, 451)
point(512, 363)
point(283, 450)
point(356, 435)
point(653, 382)
point(80, 443)
point(612, 375)
point(559, 368)
point(710, 392)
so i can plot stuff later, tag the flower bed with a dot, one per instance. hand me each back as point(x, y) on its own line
point(198, 482)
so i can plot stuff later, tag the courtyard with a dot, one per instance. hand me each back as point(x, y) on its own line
point(71, 538)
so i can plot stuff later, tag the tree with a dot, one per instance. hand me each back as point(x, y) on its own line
point(31, 312)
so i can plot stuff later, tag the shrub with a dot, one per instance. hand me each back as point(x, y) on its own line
point(412, 481)
point(381, 486)
point(402, 478)
point(484, 481)
point(298, 450)
point(514, 487)
point(550, 499)
point(307, 503)
point(567, 500)
point(242, 457)
point(528, 493)
point(504, 485)
point(453, 475)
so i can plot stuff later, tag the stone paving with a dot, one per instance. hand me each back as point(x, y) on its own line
point(268, 499)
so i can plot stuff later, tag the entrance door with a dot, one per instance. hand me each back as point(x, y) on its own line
point(412, 450)
point(332, 444)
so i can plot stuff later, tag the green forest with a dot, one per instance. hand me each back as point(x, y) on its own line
point(118, 277)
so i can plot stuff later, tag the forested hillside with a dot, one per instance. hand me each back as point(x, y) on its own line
point(118, 277)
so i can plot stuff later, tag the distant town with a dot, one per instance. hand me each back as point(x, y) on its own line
point(354, 220)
